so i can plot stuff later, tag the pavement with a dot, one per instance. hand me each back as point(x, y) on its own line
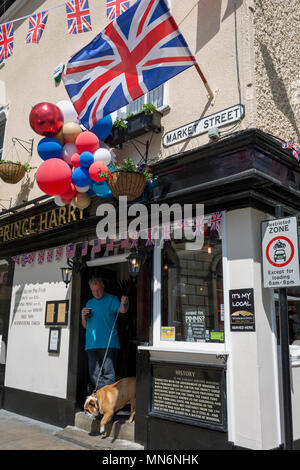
point(21, 433)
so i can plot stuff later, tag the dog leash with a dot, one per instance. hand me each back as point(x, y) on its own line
point(95, 390)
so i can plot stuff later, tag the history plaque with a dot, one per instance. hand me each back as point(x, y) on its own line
point(192, 394)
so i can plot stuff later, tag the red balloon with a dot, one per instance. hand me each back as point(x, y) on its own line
point(75, 160)
point(69, 194)
point(87, 142)
point(54, 176)
point(46, 119)
point(95, 169)
point(65, 200)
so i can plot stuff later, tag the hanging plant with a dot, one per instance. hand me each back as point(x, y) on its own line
point(13, 172)
point(128, 179)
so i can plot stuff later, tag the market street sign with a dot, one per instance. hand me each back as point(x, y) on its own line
point(222, 118)
point(280, 253)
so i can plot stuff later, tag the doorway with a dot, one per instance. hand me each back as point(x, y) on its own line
point(118, 282)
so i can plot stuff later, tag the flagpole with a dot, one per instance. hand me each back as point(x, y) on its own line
point(208, 89)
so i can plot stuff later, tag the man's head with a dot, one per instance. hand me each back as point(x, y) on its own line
point(97, 287)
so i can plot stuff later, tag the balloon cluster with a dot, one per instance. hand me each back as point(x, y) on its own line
point(72, 157)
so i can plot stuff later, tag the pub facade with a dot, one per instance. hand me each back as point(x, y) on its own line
point(208, 376)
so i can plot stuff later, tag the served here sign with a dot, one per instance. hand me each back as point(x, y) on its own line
point(280, 253)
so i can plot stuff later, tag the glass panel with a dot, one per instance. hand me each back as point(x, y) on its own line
point(155, 97)
point(192, 291)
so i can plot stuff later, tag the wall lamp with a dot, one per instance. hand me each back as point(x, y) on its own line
point(135, 260)
point(75, 263)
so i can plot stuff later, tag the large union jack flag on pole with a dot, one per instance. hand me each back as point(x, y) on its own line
point(6, 41)
point(78, 16)
point(138, 51)
point(37, 25)
point(114, 8)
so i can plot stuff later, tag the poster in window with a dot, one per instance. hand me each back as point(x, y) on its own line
point(242, 315)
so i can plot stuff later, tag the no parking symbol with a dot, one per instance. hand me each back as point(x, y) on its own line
point(280, 253)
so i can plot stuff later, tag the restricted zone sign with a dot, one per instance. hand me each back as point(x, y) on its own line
point(280, 253)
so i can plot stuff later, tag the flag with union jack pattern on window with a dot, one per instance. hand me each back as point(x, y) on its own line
point(216, 221)
point(6, 41)
point(115, 8)
point(137, 52)
point(78, 16)
point(37, 25)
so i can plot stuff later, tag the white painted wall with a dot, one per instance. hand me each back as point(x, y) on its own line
point(253, 396)
point(29, 366)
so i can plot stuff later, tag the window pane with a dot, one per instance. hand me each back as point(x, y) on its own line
point(156, 96)
point(192, 290)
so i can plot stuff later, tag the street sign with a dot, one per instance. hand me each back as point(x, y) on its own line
point(280, 253)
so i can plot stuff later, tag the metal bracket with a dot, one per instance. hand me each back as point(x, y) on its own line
point(21, 142)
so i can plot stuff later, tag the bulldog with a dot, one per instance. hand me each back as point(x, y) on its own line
point(110, 399)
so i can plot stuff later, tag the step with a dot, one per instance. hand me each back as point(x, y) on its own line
point(95, 441)
point(117, 428)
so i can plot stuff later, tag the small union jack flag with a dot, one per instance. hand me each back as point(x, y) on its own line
point(24, 260)
point(199, 225)
point(41, 257)
point(30, 258)
point(78, 16)
point(59, 253)
point(84, 248)
point(97, 246)
point(125, 242)
point(71, 250)
point(134, 240)
point(109, 245)
point(150, 241)
point(216, 220)
point(115, 8)
point(50, 255)
point(16, 259)
point(6, 41)
point(37, 25)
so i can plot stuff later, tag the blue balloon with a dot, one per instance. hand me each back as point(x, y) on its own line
point(49, 147)
point(81, 177)
point(101, 189)
point(90, 192)
point(86, 159)
point(103, 127)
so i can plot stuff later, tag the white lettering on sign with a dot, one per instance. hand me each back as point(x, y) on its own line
point(222, 118)
point(280, 253)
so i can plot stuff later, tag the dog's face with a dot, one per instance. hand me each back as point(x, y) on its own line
point(91, 405)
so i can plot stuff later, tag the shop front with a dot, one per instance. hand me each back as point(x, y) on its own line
point(208, 377)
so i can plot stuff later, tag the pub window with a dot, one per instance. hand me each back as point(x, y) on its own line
point(157, 97)
point(192, 291)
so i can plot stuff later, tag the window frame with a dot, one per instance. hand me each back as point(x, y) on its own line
point(184, 346)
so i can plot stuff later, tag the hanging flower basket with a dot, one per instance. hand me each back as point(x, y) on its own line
point(131, 185)
point(12, 172)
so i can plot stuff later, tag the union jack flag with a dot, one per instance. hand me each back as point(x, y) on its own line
point(78, 16)
point(115, 8)
point(16, 259)
point(71, 250)
point(59, 253)
point(24, 260)
point(134, 240)
point(97, 246)
point(199, 225)
point(37, 25)
point(6, 41)
point(137, 52)
point(215, 221)
point(41, 257)
point(50, 255)
point(109, 245)
point(30, 258)
point(84, 248)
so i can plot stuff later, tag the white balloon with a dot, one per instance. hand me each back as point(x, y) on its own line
point(58, 201)
point(68, 110)
point(68, 151)
point(102, 155)
point(82, 189)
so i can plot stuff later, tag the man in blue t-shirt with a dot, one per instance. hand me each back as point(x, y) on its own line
point(100, 325)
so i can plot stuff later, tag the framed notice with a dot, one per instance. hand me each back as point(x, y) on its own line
point(242, 315)
point(54, 340)
point(56, 312)
point(190, 394)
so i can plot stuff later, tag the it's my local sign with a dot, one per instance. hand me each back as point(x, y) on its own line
point(222, 118)
point(280, 253)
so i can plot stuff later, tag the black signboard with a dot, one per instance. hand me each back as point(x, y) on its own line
point(190, 394)
point(242, 317)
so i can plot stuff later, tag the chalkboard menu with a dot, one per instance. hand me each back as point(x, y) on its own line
point(191, 394)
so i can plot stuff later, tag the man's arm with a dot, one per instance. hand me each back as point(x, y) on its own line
point(124, 304)
point(84, 313)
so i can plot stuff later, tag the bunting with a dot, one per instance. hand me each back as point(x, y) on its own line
point(78, 16)
point(6, 41)
point(37, 25)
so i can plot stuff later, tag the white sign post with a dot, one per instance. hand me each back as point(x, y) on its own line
point(280, 253)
